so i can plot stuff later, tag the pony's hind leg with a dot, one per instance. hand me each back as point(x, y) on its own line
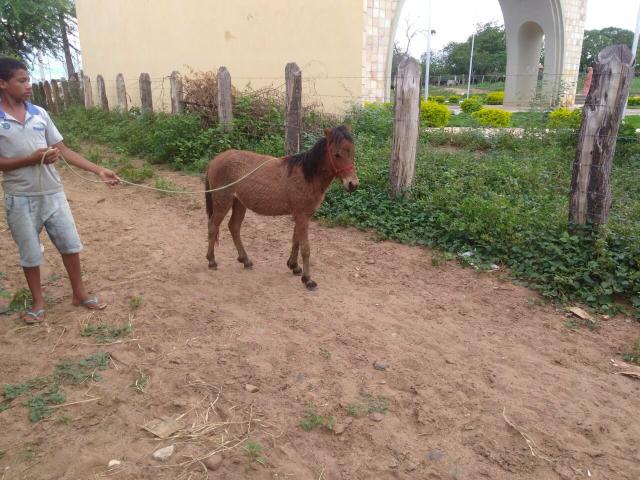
point(237, 215)
point(221, 205)
point(302, 233)
point(292, 263)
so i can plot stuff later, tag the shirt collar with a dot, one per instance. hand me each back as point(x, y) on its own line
point(31, 110)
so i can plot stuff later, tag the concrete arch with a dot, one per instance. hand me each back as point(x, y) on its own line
point(560, 21)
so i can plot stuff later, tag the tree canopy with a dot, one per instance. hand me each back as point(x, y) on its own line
point(31, 26)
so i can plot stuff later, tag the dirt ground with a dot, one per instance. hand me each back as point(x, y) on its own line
point(465, 352)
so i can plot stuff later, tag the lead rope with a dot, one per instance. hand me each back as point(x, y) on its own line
point(148, 187)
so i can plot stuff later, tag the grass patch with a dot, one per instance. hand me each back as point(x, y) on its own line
point(104, 333)
point(312, 419)
point(20, 302)
point(367, 404)
point(44, 393)
point(135, 303)
point(633, 355)
point(252, 452)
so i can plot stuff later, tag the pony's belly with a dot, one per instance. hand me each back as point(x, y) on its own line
point(267, 205)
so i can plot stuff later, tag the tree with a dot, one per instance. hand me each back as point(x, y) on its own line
point(30, 26)
point(596, 40)
point(489, 56)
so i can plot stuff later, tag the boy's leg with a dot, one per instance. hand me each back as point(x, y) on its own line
point(32, 275)
point(72, 264)
point(25, 227)
point(64, 235)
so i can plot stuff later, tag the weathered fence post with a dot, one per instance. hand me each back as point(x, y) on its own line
point(601, 117)
point(293, 109)
point(146, 100)
point(177, 96)
point(36, 94)
point(48, 98)
point(66, 97)
point(121, 90)
point(75, 90)
point(405, 128)
point(88, 93)
point(43, 97)
point(102, 93)
point(225, 102)
point(57, 99)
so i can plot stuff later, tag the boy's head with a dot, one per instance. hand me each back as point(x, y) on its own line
point(14, 79)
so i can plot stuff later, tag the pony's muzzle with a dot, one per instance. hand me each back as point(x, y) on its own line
point(350, 184)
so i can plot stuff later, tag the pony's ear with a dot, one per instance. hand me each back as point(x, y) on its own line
point(347, 127)
point(327, 133)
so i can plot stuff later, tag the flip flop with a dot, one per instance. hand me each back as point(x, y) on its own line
point(92, 303)
point(32, 318)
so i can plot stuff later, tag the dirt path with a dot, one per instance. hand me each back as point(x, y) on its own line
point(461, 348)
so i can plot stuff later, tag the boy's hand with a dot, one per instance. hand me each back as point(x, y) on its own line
point(109, 176)
point(52, 155)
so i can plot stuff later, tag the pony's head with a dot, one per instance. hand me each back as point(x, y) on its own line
point(340, 153)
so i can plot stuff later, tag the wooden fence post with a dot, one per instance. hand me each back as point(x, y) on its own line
point(88, 93)
point(225, 102)
point(121, 89)
point(57, 98)
point(293, 109)
point(36, 94)
point(405, 127)
point(66, 97)
point(75, 90)
point(177, 95)
point(146, 100)
point(43, 97)
point(50, 106)
point(102, 93)
point(601, 117)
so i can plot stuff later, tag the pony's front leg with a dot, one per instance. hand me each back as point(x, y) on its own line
point(302, 231)
point(292, 263)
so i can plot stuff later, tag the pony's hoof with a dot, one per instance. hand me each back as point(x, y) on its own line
point(296, 271)
point(248, 264)
point(310, 284)
point(213, 265)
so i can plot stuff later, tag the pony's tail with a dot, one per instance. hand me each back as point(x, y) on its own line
point(207, 195)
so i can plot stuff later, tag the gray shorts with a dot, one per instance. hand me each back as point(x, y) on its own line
point(27, 215)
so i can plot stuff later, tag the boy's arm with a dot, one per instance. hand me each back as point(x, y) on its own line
point(8, 164)
point(79, 161)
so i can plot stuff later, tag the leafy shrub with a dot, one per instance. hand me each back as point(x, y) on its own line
point(492, 117)
point(495, 98)
point(438, 99)
point(454, 99)
point(471, 105)
point(434, 114)
point(564, 118)
point(372, 118)
point(634, 101)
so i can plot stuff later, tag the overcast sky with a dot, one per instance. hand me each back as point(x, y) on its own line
point(454, 20)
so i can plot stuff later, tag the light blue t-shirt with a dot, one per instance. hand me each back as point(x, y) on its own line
point(21, 140)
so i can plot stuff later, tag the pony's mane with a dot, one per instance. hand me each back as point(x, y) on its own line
point(311, 160)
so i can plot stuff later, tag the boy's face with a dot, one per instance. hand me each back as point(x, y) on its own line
point(18, 87)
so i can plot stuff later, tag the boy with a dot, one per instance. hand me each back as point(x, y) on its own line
point(33, 194)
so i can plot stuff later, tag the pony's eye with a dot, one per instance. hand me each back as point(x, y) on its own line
point(338, 155)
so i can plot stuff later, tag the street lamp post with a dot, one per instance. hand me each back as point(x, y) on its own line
point(473, 40)
point(428, 59)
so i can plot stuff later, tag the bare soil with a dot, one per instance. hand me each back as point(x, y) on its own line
point(463, 350)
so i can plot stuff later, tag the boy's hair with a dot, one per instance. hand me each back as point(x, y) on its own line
point(8, 66)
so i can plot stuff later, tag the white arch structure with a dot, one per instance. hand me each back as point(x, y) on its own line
point(560, 22)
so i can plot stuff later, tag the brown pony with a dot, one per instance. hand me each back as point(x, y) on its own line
point(292, 185)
